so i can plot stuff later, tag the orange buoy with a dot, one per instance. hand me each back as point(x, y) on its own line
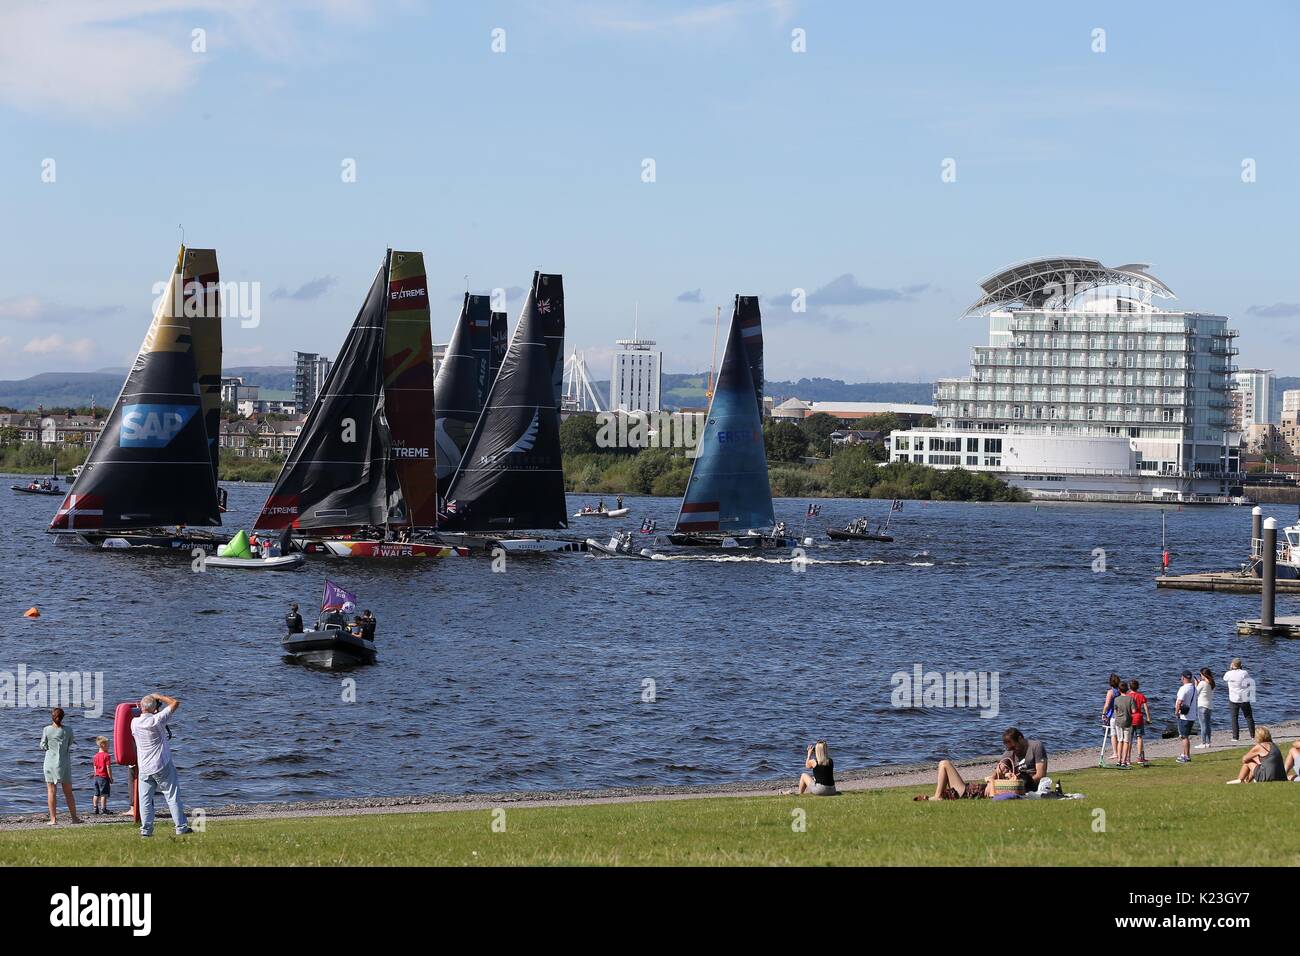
point(32, 611)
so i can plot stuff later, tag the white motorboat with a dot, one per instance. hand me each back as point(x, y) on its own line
point(607, 513)
point(283, 562)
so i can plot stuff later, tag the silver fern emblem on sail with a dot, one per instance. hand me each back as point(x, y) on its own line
point(523, 443)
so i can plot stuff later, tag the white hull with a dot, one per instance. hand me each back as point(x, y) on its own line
point(538, 545)
point(347, 548)
point(616, 513)
point(612, 550)
point(285, 562)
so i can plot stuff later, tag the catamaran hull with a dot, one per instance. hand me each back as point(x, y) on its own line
point(132, 540)
point(330, 650)
point(747, 542)
point(538, 545)
point(343, 548)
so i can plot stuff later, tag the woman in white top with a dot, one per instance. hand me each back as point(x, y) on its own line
point(1204, 704)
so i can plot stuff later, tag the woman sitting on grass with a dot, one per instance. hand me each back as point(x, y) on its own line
point(1292, 766)
point(951, 786)
point(1263, 762)
point(822, 781)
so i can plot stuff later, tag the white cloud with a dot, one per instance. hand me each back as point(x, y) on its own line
point(82, 58)
point(100, 59)
point(646, 17)
point(31, 308)
point(81, 349)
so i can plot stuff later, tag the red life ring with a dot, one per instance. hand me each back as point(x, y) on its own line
point(123, 742)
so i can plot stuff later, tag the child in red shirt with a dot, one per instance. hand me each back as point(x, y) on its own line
point(1141, 720)
point(103, 776)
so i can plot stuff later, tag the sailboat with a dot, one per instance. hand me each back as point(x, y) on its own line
point(151, 478)
point(360, 480)
point(511, 475)
point(728, 500)
point(461, 386)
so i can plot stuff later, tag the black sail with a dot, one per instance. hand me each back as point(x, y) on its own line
point(151, 465)
point(549, 291)
point(512, 476)
point(749, 320)
point(339, 474)
point(498, 342)
point(461, 386)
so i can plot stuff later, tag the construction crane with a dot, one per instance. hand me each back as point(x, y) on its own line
point(713, 362)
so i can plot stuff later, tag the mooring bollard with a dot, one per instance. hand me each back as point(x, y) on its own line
point(1269, 575)
point(1256, 519)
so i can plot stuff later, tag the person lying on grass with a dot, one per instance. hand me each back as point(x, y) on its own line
point(822, 781)
point(1263, 762)
point(1025, 759)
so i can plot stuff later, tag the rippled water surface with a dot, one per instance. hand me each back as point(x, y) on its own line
point(533, 678)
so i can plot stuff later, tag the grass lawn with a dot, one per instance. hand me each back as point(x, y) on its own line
point(1165, 815)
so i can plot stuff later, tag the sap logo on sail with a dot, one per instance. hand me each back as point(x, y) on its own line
point(411, 452)
point(153, 426)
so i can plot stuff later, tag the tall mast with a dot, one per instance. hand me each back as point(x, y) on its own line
point(713, 362)
point(388, 445)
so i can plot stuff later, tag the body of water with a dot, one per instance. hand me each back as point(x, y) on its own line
point(534, 678)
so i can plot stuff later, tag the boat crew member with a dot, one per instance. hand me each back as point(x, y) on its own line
point(618, 502)
point(293, 620)
point(358, 629)
point(368, 625)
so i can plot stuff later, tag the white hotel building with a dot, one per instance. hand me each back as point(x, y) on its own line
point(1088, 391)
point(635, 376)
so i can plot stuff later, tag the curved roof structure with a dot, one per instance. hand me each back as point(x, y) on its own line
point(1040, 283)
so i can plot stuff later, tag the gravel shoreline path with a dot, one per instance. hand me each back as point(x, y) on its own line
point(873, 778)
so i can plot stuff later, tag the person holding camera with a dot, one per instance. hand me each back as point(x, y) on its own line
point(154, 762)
point(821, 782)
point(1184, 707)
point(1241, 693)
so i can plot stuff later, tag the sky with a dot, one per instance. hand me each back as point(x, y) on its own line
point(663, 156)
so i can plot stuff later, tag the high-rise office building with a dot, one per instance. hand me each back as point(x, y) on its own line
point(1255, 387)
point(635, 376)
point(309, 373)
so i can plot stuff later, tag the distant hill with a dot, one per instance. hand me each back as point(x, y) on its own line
point(677, 391)
point(75, 389)
point(57, 389)
point(278, 378)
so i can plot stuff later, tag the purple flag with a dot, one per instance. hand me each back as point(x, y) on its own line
point(336, 597)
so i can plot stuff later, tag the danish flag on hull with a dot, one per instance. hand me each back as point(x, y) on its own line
point(79, 512)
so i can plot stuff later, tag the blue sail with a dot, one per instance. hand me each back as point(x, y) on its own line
point(729, 489)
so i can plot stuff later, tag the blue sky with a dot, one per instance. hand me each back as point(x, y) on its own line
point(774, 170)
